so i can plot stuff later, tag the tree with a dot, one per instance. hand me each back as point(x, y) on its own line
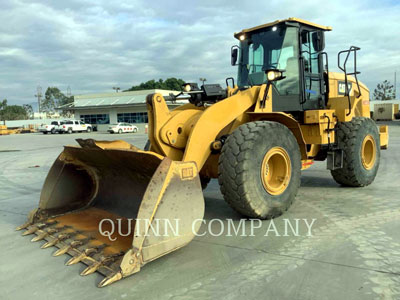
point(169, 84)
point(29, 109)
point(384, 91)
point(54, 98)
point(3, 105)
point(13, 112)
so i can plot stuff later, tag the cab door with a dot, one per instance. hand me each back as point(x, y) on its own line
point(312, 69)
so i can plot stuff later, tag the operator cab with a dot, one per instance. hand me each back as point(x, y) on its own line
point(292, 48)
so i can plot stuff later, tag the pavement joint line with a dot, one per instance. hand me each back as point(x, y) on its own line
point(301, 258)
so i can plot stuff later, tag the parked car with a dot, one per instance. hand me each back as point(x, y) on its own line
point(53, 127)
point(122, 128)
point(71, 126)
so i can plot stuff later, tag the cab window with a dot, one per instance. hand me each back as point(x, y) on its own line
point(311, 66)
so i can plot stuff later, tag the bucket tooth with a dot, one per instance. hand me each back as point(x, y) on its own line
point(81, 256)
point(92, 268)
point(97, 264)
point(36, 227)
point(68, 247)
point(55, 241)
point(43, 235)
point(62, 250)
point(31, 230)
point(110, 279)
point(23, 226)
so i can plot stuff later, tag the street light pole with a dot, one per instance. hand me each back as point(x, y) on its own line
point(116, 88)
point(202, 80)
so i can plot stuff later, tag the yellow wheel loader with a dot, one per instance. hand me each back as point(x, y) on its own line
point(101, 200)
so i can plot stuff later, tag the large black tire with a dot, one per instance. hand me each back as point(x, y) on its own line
point(240, 166)
point(350, 138)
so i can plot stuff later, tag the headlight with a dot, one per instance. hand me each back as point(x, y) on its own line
point(274, 75)
point(187, 88)
point(242, 37)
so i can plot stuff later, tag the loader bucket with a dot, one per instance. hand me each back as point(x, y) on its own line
point(115, 207)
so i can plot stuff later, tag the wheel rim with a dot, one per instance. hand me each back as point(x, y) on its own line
point(276, 170)
point(368, 152)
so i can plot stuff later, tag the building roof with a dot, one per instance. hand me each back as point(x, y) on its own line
point(326, 28)
point(121, 99)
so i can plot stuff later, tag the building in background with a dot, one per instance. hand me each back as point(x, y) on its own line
point(100, 110)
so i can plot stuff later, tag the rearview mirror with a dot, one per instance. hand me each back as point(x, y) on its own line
point(234, 55)
point(318, 40)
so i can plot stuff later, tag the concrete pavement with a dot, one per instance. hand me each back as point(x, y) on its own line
point(353, 252)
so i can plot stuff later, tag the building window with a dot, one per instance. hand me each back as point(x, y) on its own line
point(140, 117)
point(96, 119)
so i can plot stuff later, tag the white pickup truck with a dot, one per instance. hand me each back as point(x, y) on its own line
point(71, 126)
point(52, 128)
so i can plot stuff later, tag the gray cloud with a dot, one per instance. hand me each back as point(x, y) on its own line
point(94, 45)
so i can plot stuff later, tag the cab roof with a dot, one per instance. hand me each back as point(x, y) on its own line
point(295, 20)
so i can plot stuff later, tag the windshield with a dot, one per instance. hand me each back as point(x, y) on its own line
point(270, 49)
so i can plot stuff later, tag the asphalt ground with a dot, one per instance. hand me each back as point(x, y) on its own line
point(352, 250)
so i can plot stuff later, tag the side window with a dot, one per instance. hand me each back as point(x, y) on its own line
point(309, 54)
point(256, 58)
point(311, 67)
point(76, 123)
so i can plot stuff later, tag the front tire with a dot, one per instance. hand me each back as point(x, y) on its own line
point(360, 142)
point(259, 169)
point(88, 130)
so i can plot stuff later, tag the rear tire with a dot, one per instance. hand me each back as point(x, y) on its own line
point(134, 130)
point(120, 131)
point(360, 142)
point(53, 131)
point(259, 169)
point(88, 130)
point(69, 130)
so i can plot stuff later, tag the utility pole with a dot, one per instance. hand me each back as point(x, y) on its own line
point(39, 96)
point(116, 88)
point(68, 91)
point(202, 80)
point(395, 83)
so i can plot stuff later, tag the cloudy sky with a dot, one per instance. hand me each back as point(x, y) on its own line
point(93, 45)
